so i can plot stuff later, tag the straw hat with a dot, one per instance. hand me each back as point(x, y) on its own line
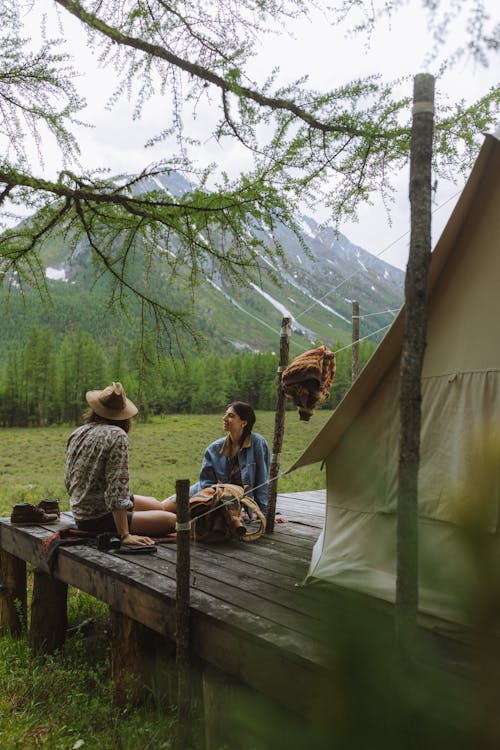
point(111, 403)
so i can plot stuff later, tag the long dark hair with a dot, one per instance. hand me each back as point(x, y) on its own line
point(247, 414)
point(91, 417)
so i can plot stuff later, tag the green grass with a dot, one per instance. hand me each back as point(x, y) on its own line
point(65, 700)
point(171, 448)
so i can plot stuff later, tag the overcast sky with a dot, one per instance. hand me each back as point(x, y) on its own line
point(330, 58)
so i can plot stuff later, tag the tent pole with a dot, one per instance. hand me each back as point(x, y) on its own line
point(279, 426)
point(412, 357)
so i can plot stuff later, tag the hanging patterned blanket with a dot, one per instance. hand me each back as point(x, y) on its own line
point(307, 380)
point(216, 514)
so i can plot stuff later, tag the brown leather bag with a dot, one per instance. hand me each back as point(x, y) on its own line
point(216, 512)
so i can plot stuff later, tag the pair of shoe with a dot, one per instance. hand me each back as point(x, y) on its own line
point(25, 514)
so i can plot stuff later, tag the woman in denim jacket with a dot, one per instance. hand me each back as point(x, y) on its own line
point(241, 458)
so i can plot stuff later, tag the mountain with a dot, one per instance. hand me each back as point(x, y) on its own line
point(316, 290)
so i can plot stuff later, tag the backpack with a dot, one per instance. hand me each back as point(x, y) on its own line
point(217, 514)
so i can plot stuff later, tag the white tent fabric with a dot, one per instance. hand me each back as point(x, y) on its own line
point(460, 438)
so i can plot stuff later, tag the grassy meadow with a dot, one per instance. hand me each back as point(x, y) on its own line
point(161, 451)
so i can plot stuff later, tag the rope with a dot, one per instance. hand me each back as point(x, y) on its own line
point(363, 338)
point(382, 312)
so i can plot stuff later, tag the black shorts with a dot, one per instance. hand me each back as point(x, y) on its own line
point(103, 524)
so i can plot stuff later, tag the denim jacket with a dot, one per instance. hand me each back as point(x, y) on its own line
point(254, 459)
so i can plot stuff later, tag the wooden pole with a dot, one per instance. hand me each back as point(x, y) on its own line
point(355, 341)
point(279, 426)
point(182, 615)
point(49, 619)
point(412, 356)
point(13, 598)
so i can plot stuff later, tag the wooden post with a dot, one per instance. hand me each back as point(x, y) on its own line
point(127, 667)
point(141, 661)
point(355, 341)
point(49, 621)
point(412, 356)
point(13, 606)
point(223, 706)
point(182, 615)
point(279, 426)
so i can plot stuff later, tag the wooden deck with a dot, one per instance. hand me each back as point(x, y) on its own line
point(248, 608)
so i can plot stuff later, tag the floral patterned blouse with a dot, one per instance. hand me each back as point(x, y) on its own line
point(97, 473)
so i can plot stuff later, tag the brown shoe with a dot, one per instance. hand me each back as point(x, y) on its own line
point(24, 514)
point(50, 505)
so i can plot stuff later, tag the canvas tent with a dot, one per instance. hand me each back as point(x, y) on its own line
point(460, 450)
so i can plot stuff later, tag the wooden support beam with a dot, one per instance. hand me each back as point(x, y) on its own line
point(223, 703)
point(182, 614)
point(13, 602)
point(142, 661)
point(48, 613)
point(279, 427)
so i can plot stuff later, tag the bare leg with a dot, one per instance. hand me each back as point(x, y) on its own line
point(152, 522)
point(169, 504)
point(143, 502)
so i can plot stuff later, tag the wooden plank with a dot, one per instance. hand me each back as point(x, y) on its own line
point(298, 548)
point(268, 603)
point(299, 516)
point(311, 496)
point(299, 536)
point(283, 605)
point(314, 508)
point(302, 515)
point(228, 557)
point(315, 518)
point(276, 561)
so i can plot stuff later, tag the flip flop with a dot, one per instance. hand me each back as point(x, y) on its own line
point(136, 549)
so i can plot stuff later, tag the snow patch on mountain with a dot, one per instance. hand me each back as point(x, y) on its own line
point(56, 274)
point(236, 304)
point(304, 224)
point(315, 301)
point(277, 305)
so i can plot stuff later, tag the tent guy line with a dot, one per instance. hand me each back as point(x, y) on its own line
point(347, 346)
point(382, 312)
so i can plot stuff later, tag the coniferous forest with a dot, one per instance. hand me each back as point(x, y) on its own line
point(44, 381)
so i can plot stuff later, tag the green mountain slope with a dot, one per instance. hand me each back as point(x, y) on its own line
point(316, 290)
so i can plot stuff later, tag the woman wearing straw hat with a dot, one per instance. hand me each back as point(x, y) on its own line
point(97, 474)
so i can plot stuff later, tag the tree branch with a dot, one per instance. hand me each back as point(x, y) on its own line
point(202, 73)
